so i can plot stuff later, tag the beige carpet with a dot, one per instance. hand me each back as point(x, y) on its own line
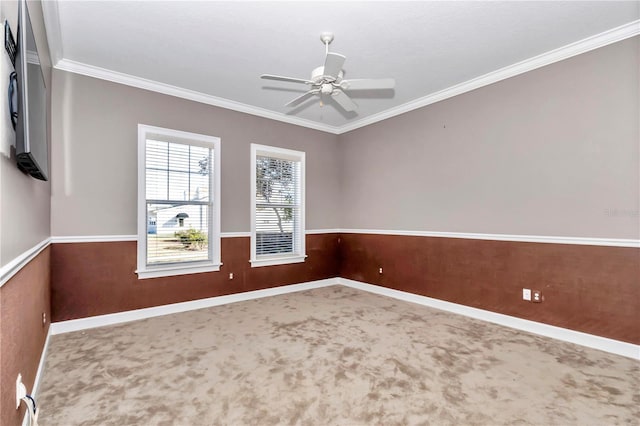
point(331, 356)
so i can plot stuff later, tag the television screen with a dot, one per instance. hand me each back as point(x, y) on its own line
point(31, 131)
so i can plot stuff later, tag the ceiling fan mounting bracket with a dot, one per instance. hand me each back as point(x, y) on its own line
point(326, 37)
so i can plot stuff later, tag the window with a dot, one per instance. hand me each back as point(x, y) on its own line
point(277, 213)
point(178, 202)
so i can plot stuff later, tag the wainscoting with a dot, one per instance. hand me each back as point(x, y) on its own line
point(593, 289)
point(97, 278)
point(588, 288)
point(24, 298)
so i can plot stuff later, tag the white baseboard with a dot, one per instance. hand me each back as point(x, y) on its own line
point(36, 381)
point(584, 339)
point(127, 316)
point(43, 357)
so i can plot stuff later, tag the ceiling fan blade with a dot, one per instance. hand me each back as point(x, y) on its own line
point(297, 101)
point(343, 100)
point(368, 84)
point(333, 64)
point(289, 79)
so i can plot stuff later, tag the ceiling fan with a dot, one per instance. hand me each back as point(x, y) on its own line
point(327, 80)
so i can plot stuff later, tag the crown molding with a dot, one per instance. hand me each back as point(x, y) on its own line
point(611, 36)
point(192, 95)
point(52, 24)
point(52, 27)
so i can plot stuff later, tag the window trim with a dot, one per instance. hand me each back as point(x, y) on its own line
point(285, 154)
point(165, 270)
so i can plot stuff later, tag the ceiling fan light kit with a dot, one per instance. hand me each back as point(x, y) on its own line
point(327, 80)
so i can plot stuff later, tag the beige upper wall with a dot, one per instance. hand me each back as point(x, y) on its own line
point(94, 156)
point(24, 201)
point(550, 152)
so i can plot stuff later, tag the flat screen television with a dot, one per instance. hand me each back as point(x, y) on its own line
point(32, 152)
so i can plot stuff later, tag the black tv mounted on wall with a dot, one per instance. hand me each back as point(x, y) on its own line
point(28, 99)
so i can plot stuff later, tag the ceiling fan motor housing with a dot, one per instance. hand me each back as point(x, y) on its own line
point(317, 76)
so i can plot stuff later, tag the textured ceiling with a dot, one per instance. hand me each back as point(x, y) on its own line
point(221, 48)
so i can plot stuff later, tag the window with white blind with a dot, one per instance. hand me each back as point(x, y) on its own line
point(277, 212)
point(178, 202)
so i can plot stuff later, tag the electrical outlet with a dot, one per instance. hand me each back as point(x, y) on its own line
point(537, 296)
point(231, 275)
point(21, 390)
point(44, 318)
point(526, 294)
point(380, 271)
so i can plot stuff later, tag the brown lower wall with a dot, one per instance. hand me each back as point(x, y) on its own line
point(98, 278)
point(592, 289)
point(23, 299)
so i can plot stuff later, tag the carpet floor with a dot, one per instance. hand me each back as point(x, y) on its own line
point(330, 356)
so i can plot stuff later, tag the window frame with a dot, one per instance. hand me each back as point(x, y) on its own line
point(290, 155)
point(171, 269)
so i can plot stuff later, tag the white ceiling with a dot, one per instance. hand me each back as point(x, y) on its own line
point(217, 50)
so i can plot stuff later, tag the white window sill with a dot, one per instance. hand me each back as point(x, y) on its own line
point(277, 260)
point(169, 271)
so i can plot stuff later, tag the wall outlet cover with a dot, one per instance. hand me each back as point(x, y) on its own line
point(21, 390)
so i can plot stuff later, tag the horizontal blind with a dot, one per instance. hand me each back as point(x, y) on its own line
point(177, 172)
point(277, 206)
point(178, 197)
